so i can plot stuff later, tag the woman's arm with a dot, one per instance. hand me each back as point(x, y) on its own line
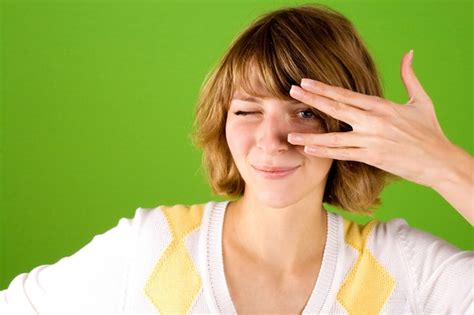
point(456, 182)
point(439, 273)
point(94, 279)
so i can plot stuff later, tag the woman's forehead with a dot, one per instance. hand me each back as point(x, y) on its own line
point(250, 81)
point(259, 95)
point(255, 83)
point(261, 99)
point(249, 75)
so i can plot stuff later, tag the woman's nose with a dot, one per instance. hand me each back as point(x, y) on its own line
point(272, 136)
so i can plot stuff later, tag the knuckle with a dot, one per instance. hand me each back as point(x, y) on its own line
point(313, 139)
point(371, 160)
point(322, 88)
point(376, 124)
point(373, 142)
point(345, 93)
point(323, 152)
point(337, 108)
point(378, 99)
point(377, 102)
point(389, 110)
point(312, 99)
point(375, 159)
point(335, 139)
point(346, 153)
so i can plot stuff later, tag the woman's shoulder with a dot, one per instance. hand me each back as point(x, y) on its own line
point(394, 256)
point(154, 228)
point(176, 218)
point(179, 213)
point(411, 237)
point(395, 230)
point(396, 240)
point(360, 235)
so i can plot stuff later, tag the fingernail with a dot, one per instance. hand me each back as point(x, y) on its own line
point(410, 56)
point(310, 150)
point(295, 90)
point(305, 82)
point(295, 138)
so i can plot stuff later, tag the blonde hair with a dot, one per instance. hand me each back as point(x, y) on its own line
point(286, 45)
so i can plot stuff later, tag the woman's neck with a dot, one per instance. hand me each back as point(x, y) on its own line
point(283, 239)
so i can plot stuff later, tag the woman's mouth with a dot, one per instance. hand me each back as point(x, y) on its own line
point(275, 172)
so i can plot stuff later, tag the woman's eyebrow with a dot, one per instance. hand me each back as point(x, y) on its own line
point(247, 98)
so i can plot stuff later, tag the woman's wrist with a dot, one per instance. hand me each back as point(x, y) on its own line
point(455, 183)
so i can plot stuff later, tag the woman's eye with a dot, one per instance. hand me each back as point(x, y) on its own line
point(308, 114)
point(241, 113)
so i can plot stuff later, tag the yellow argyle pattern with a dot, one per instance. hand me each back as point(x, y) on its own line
point(368, 285)
point(175, 282)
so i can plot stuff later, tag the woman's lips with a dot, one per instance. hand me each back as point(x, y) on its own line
point(275, 173)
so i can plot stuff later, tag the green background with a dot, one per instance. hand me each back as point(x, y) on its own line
point(97, 101)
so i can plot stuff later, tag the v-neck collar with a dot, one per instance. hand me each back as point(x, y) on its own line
point(212, 262)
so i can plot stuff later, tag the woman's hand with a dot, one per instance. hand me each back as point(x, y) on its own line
point(405, 140)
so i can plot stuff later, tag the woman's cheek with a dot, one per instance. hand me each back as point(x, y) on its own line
point(239, 136)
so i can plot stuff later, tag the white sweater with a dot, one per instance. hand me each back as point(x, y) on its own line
point(168, 260)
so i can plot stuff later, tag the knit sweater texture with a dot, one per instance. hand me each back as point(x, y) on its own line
point(168, 260)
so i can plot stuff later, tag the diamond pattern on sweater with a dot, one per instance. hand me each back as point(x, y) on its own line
point(368, 285)
point(174, 282)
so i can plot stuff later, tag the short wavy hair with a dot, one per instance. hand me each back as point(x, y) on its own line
point(286, 45)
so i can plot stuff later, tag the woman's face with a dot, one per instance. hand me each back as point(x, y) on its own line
point(257, 132)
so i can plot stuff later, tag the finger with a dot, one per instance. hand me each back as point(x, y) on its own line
point(362, 101)
point(345, 154)
point(412, 85)
point(338, 110)
point(333, 139)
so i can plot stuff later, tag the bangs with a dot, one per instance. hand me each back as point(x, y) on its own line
point(266, 62)
point(261, 66)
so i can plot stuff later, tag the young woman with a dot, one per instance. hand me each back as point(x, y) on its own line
point(291, 118)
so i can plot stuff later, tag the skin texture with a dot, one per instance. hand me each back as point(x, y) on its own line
point(382, 129)
point(274, 235)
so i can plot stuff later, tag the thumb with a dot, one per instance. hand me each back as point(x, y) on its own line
point(412, 85)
